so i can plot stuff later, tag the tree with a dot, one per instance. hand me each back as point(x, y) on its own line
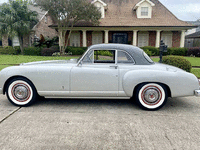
point(66, 13)
point(16, 19)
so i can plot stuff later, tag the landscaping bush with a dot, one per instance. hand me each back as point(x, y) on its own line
point(153, 50)
point(76, 50)
point(9, 50)
point(33, 51)
point(177, 51)
point(148, 52)
point(178, 61)
point(195, 51)
point(49, 51)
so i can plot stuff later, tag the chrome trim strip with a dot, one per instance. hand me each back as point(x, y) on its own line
point(1, 90)
point(197, 92)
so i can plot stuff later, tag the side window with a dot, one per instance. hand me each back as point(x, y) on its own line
point(123, 57)
point(104, 56)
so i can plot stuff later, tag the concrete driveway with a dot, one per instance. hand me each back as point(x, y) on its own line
point(100, 124)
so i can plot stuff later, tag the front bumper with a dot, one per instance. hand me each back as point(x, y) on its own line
point(197, 92)
point(1, 91)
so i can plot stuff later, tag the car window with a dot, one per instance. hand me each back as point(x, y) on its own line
point(104, 56)
point(123, 57)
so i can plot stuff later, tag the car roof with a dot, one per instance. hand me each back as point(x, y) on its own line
point(134, 51)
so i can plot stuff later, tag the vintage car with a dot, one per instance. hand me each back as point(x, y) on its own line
point(104, 71)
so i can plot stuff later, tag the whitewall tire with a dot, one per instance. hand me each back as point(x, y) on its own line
point(151, 96)
point(21, 92)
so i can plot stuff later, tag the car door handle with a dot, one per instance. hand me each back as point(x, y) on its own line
point(114, 66)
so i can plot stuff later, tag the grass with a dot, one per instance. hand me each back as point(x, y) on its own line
point(195, 61)
point(17, 59)
point(196, 72)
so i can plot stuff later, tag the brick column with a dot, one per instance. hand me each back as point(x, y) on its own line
point(4, 40)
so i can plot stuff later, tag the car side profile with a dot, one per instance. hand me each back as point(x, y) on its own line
point(104, 71)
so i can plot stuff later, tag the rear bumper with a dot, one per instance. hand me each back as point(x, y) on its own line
point(197, 92)
point(1, 91)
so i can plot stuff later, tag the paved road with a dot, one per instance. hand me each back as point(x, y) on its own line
point(100, 124)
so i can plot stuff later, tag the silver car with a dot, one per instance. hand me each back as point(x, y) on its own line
point(104, 71)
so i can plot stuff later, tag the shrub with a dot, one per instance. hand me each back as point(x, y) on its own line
point(177, 51)
point(9, 50)
point(195, 51)
point(33, 51)
point(76, 50)
point(149, 53)
point(154, 51)
point(178, 61)
point(49, 51)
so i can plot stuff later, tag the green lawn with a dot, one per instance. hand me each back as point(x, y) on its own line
point(17, 59)
point(196, 72)
point(195, 61)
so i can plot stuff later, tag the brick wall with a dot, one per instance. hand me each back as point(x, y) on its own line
point(89, 38)
point(4, 40)
point(176, 37)
point(42, 28)
point(152, 38)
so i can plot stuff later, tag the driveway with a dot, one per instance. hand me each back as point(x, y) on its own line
point(100, 124)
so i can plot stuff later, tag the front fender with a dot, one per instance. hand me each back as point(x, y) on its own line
point(180, 83)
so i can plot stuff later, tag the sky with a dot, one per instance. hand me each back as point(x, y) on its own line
point(186, 10)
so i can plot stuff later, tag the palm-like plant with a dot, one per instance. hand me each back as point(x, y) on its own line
point(17, 19)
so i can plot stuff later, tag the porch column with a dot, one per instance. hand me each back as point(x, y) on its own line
point(106, 36)
point(158, 38)
point(135, 37)
point(84, 38)
point(182, 41)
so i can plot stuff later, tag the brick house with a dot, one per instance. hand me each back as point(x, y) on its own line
point(137, 22)
point(40, 28)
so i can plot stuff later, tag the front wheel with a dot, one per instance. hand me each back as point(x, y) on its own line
point(151, 96)
point(21, 92)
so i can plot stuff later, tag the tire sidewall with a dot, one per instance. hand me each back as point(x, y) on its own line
point(31, 92)
point(161, 102)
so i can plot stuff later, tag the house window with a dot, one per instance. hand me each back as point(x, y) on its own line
point(143, 39)
point(97, 38)
point(144, 11)
point(167, 38)
point(75, 39)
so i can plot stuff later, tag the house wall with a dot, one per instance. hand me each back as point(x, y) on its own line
point(176, 37)
point(4, 40)
point(42, 27)
point(152, 38)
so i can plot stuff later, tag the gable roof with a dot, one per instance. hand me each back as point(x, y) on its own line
point(100, 1)
point(120, 13)
point(193, 35)
point(139, 3)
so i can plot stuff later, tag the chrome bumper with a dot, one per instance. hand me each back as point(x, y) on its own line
point(197, 92)
point(1, 91)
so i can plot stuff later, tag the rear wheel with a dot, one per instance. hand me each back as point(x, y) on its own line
point(21, 92)
point(151, 96)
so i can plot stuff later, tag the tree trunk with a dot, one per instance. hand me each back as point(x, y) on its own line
point(21, 45)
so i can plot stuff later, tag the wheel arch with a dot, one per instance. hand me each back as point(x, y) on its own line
point(167, 87)
point(13, 77)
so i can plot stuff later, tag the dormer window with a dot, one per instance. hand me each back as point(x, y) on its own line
point(101, 6)
point(144, 9)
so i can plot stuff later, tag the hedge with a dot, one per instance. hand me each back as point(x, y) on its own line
point(49, 51)
point(178, 61)
point(195, 51)
point(150, 50)
point(76, 50)
point(9, 50)
point(177, 51)
point(33, 51)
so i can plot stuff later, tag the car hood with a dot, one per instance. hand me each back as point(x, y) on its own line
point(51, 62)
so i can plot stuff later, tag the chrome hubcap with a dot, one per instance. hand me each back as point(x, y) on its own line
point(21, 92)
point(151, 95)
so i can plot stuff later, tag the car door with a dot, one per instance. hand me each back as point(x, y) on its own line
point(96, 76)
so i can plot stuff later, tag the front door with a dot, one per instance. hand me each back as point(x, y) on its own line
point(96, 78)
point(121, 38)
